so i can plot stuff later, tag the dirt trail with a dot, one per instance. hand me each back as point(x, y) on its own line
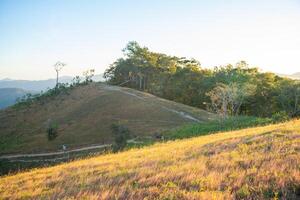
point(15, 156)
point(181, 113)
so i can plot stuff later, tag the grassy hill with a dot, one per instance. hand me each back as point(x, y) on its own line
point(84, 116)
point(254, 163)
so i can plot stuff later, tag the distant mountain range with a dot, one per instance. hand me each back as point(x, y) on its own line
point(8, 96)
point(40, 85)
point(11, 89)
point(296, 75)
point(293, 76)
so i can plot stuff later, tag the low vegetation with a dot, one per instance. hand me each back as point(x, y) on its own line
point(214, 126)
point(254, 163)
point(44, 96)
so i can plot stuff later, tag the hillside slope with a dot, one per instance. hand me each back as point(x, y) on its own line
point(255, 163)
point(85, 115)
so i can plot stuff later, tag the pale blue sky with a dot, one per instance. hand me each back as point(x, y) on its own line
point(34, 34)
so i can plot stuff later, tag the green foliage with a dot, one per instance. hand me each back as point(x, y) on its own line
point(227, 124)
point(281, 116)
point(121, 135)
point(289, 97)
point(184, 80)
point(243, 192)
point(52, 131)
point(88, 75)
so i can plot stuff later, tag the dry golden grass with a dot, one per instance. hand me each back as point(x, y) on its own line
point(255, 163)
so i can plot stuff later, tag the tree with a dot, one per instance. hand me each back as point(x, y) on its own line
point(52, 130)
point(231, 89)
point(121, 134)
point(289, 97)
point(227, 99)
point(88, 74)
point(263, 102)
point(58, 66)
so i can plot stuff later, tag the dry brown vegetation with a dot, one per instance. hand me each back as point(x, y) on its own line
point(254, 163)
point(85, 115)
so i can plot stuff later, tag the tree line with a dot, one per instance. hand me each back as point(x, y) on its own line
point(227, 90)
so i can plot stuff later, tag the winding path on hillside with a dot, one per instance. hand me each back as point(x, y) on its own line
point(181, 113)
point(16, 156)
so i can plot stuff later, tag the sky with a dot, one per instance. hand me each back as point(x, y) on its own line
point(85, 34)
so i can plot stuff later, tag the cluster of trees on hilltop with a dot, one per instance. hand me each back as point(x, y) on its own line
point(228, 90)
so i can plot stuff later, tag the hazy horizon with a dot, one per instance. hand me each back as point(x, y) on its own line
point(101, 73)
point(91, 34)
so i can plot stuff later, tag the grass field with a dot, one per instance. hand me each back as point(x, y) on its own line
point(214, 126)
point(254, 163)
point(84, 116)
point(21, 163)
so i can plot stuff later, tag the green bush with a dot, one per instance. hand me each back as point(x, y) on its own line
point(121, 135)
point(52, 131)
point(281, 116)
point(243, 192)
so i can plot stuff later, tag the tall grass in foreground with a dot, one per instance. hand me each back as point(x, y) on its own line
point(255, 163)
point(192, 130)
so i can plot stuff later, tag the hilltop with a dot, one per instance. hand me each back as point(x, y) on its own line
point(84, 116)
point(254, 163)
point(11, 90)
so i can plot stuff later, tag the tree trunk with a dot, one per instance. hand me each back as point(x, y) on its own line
point(141, 79)
point(56, 79)
point(296, 104)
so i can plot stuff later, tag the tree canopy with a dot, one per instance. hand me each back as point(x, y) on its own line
point(248, 91)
